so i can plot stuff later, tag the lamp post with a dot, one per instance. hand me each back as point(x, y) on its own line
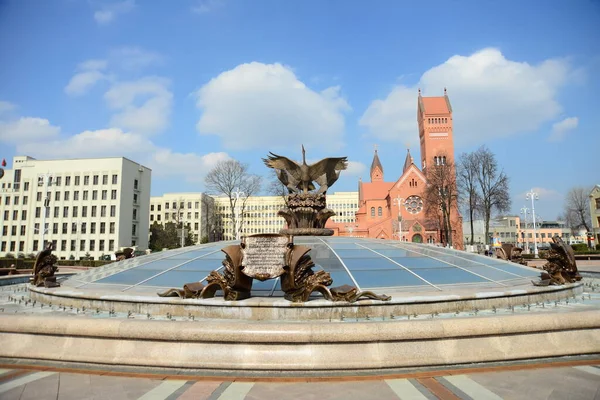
point(398, 202)
point(533, 196)
point(182, 230)
point(525, 211)
point(237, 225)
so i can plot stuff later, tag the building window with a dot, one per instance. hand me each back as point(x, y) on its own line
point(7, 201)
point(84, 211)
point(158, 207)
point(15, 215)
point(372, 211)
point(65, 226)
point(13, 230)
point(26, 186)
point(94, 211)
point(166, 206)
point(95, 180)
point(379, 211)
point(38, 213)
point(65, 212)
point(63, 245)
point(158, 217)
point(94, 195)
point(82, 245)
point(56, 212)
point(67, 180)
point(113, 194)
point(56, 196)
point(134, 214)
point(58, 181)
point(105, 179)
point(74, 227)
point(85, 195)
point(133, 229)
point(38, 196)
point(151, 207)
point(151, 217)
point(135, 197)
point(25, 198)
point(101, 245)
point(83, 227)
point(104, 194)
point(114, 179)
point(92, 245)
point(111, 227)
point(75, 212)
point(73, 245)
point(66, 196)
point(135, 184)
point(22, 229)
point(55, 228)
point(77, 180)
point(24, 215)
point(76, 195)
point(111, 245)
point(21, 246)
point(86, 180)
point(35, 245)
point(113, 211)
point(103, 211)
point(102, 227)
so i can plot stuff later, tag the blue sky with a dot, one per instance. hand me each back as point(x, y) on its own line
point(180, 85)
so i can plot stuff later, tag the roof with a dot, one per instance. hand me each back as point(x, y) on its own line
point(434, 105)
point(376, 163)
point(375, 190)
point(408, 162)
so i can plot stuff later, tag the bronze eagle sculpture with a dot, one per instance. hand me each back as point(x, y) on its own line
point(300, 178)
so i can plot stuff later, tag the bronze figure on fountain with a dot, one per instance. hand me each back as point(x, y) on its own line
point(306, 212)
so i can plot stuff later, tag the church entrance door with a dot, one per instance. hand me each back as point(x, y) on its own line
point(417, 238)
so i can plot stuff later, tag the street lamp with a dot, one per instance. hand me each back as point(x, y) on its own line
point(398, 202)
point(533, 196)
point(525, 211)
point(237, 225)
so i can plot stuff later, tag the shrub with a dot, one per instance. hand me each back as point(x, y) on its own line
point(579, 247)
point(9, 255)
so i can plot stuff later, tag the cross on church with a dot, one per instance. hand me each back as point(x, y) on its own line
point(375, 146)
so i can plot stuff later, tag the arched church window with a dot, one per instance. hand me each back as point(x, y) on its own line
point(372, 211)
point(380, 211)
point(444, 160)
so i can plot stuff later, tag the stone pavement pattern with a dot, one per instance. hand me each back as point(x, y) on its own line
point(577, 382)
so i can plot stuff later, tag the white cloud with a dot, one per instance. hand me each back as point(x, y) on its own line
point(560, 129)
point(206, 6)
point(6, 106)
point(99, 143)
point(135, 58)
point(27, 129)
point(256, 104)
point(109, 11)
point(190, 165)
point(82, 82)
point(355, 168)
point(88, 76)
point(491, 97)
point(143, 106)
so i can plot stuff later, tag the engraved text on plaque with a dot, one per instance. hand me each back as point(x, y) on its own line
point(264, 256)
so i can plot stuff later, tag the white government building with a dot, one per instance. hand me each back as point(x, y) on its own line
point(89, 206)
point(96, 206)
point(210, 217)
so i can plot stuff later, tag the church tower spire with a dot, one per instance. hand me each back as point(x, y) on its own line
point(376, 168)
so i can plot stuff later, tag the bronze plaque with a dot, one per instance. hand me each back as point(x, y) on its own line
point(264, 256)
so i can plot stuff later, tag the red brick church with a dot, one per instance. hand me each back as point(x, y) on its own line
point(395, 210)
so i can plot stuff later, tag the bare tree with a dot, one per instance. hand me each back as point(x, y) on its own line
point(276, 188)
point(441, 195)
point(466, 176)
point(493, 186)
point(577, 209)
point(231, 178)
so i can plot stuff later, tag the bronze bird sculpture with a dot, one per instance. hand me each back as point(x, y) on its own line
point(300, 178)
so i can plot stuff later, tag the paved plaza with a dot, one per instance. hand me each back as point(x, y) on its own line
point(568, 380)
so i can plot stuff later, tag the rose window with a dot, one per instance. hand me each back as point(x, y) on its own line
point(414, 204)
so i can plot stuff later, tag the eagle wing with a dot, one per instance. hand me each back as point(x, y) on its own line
point(327, 166)
point(283, 163)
